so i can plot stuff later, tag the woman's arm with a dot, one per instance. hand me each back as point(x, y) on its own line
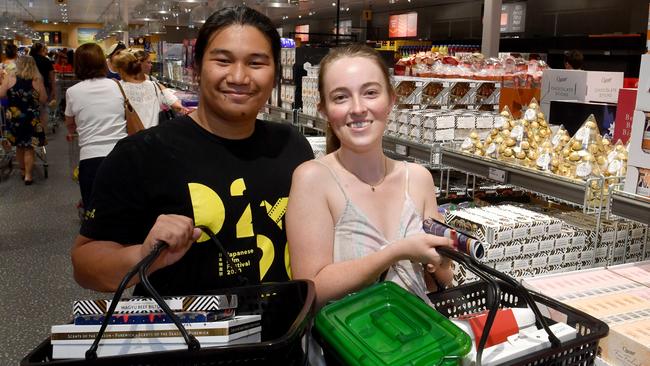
point(6, 84)
point(40, 88)
point(71, 126)
point(424, 187)
point(311, 246)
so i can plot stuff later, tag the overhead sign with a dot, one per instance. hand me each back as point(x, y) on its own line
point(513, 17)
point(403, 25)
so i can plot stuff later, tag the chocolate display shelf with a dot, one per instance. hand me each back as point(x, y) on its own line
point(560, 188)
point(630, 206)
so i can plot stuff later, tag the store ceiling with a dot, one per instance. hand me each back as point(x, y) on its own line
point(91, 11)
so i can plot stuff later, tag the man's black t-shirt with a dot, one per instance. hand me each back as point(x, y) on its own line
point(238, 188)
point(44, 66)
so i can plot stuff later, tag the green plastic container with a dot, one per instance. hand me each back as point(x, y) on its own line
point(386, 325)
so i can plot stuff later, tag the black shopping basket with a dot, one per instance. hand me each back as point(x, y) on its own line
point(286, 309)
point(497, 290)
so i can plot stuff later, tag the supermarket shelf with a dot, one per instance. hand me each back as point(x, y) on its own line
point(278, 114)
point(405, 149)
point(312, 122)
point(631, 206)
point(546, 184)
point(181, 85)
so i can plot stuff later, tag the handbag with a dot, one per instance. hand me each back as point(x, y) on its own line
point(133, 122)
point(166, 113)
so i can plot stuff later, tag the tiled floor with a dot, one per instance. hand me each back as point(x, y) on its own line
point(37, 226)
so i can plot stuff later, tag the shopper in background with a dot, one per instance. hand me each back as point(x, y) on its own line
point(94, 110)
point(62, 65)
point(573, 60)
point(147, 65)
point(369, 209)
point(113, 51)
point(145, 60)
point(71, 57)
point(217, 167)
point(9, 61)
point(46, 68)
point(145, 96)
point(25, 92)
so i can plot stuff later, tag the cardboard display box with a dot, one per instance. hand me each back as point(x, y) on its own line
point(562, 85)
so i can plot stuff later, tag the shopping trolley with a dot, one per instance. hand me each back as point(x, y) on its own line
point(286, 309)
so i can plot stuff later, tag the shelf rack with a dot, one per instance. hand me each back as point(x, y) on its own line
point(630, 206)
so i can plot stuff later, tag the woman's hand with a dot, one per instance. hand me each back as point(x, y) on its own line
point(177, 231)
point(421, 248)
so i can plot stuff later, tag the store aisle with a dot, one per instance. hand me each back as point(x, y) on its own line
point(37, 227)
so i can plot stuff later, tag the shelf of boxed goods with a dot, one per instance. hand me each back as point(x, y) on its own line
point(630, 206)
point(560, 188)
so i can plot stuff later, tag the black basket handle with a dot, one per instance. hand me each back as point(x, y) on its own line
point(485, 272)
point(141, 268)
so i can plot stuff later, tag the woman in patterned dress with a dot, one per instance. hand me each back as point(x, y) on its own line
point(25, 92)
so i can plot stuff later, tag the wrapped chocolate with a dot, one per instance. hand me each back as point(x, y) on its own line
point(472, 144)
point(580, 154)
point(560, 139)
point(616, 161)
point(546, 158)
point(517, 147)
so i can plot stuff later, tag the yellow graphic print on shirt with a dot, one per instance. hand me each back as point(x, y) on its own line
point(209, 211)
point(277, 211)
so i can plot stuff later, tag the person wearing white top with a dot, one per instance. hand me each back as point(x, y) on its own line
point(145, 96)
point(95, 111)
point(145, 59)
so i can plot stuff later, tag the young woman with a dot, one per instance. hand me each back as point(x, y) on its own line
point(364, 210)
point(217, 167)
point(95, 110)
point(145, 96)
point(25, 92)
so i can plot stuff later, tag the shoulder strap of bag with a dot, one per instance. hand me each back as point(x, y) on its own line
point(126, 100)
point(158, 85)
point(162, 95)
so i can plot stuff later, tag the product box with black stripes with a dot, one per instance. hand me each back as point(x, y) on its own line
point(72, 341)
point(139, 305)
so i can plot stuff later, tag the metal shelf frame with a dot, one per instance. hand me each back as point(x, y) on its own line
point(630, 206)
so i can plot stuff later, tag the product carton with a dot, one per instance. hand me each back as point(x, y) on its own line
point(619, 296)
point(562, 85)
point(637, 181)
point(639, 141)
point(484, 229)
point(438, 120)
point(624, 114)
point(603, 86)
point(643, 96)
